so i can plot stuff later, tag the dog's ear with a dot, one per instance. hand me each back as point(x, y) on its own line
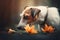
point(34, 12)
point(26, 7)
point(37, 11)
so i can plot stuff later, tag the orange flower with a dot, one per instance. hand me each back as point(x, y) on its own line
point(47, 28)
point(27, 28)
point(30, 29)
point(51, 29)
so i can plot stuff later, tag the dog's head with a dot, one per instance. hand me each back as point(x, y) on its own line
point(29, 15)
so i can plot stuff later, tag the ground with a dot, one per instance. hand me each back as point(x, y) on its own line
point(24, 36)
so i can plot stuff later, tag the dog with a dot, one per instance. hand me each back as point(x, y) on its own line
point(39, 15)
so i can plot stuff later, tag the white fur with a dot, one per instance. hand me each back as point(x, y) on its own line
point(53, 16)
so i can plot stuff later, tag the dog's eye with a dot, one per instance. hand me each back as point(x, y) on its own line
point(25, 17)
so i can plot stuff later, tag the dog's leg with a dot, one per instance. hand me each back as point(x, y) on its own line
point(39, 28)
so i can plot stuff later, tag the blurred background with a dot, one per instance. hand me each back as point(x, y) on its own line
point(10, 9)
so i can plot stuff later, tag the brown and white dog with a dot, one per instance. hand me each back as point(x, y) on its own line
point(39, 15)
